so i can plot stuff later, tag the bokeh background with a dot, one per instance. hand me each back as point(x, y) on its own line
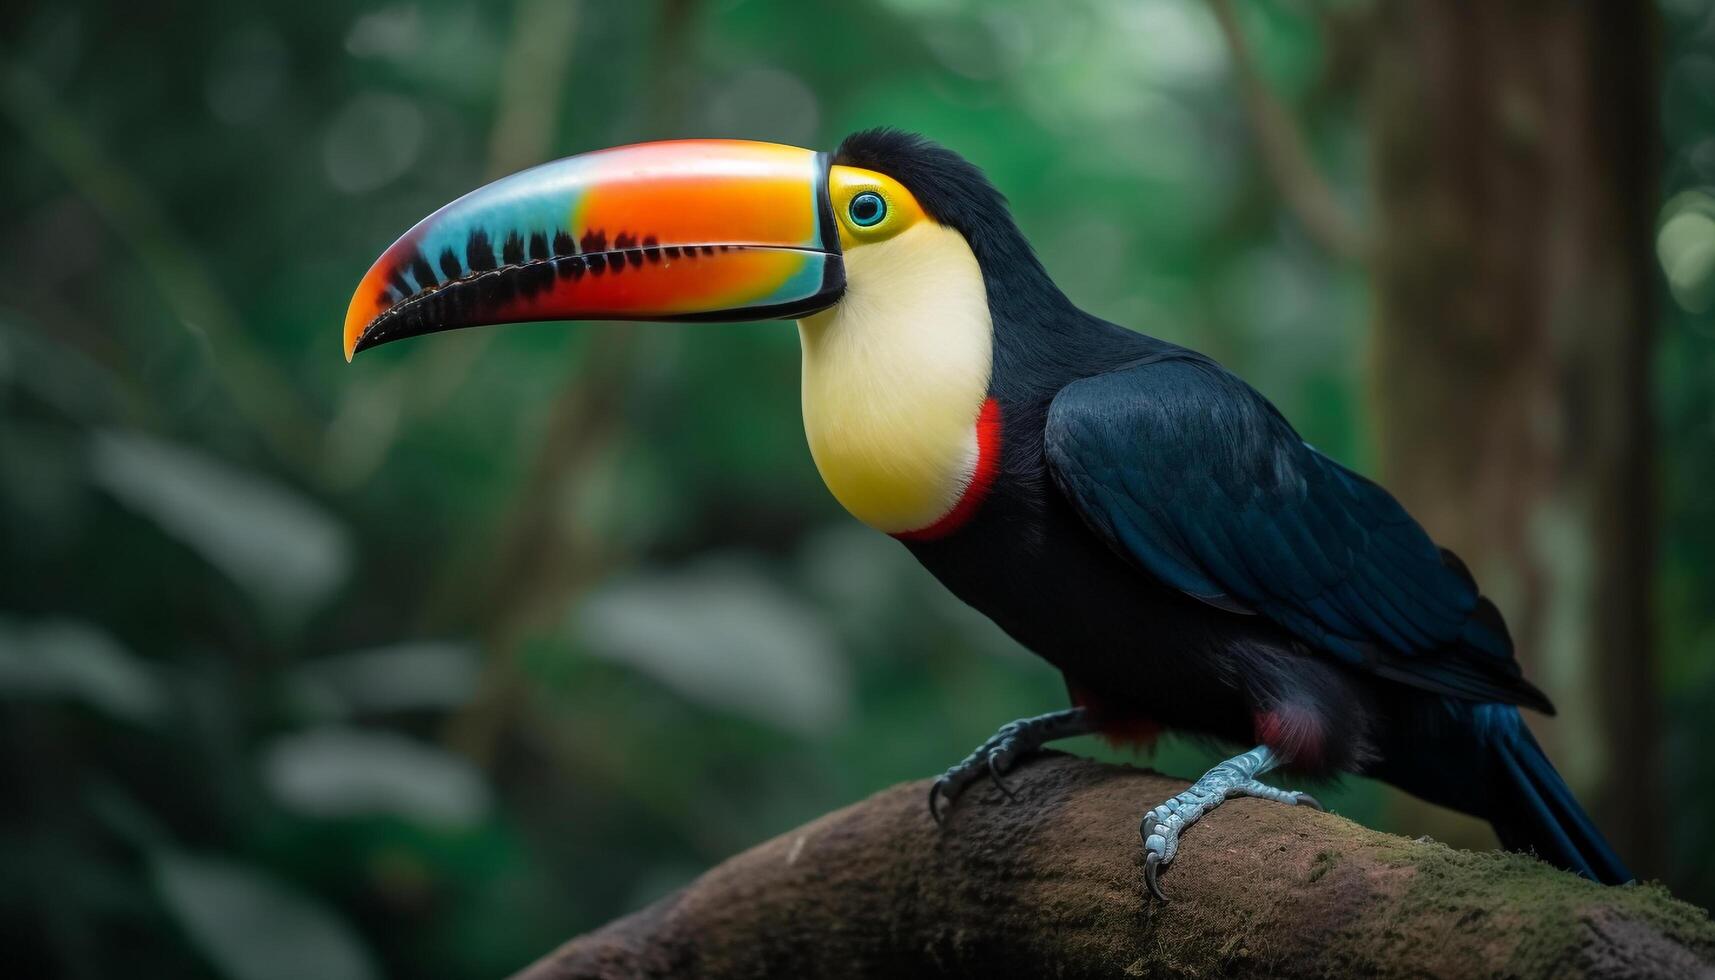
point(419, 666)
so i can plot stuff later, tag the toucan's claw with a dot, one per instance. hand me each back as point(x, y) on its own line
point(1163, 826)
point(994, 772)
point(936, 790)
point(948, 786)
point(996, 755)
point(1151, 871)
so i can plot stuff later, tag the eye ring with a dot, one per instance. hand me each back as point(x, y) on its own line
point(867, 209)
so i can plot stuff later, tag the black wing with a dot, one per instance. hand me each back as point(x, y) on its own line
point(1195, 476)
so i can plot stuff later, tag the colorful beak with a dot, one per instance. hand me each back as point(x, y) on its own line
point(684, 230)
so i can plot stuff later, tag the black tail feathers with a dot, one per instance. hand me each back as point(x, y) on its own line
point(1533, 810)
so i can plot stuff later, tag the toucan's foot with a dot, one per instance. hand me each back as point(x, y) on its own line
point(994, 758)
point(1235, 777)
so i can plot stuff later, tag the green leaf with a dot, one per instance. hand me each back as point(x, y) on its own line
point(723, 634)
point(281, 547)
point(77, 661)
point(252, 927)
point(402, 677)
point(341, 772)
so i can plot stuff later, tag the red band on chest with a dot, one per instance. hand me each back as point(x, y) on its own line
point(988, 467)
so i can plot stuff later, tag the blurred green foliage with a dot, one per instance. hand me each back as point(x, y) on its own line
point(420, 666)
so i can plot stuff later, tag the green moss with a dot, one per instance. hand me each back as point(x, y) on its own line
point(1323, 863)
point(1535, 911)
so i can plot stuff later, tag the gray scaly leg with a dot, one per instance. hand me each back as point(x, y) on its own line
point(1235, 777)
point(997, 755)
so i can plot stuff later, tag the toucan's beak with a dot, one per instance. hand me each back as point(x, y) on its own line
point(683, 230)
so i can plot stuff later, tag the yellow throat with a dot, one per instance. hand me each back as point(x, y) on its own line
point(895, 376)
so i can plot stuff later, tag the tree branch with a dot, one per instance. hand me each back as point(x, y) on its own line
point(1051, 885)
point(1287, 159)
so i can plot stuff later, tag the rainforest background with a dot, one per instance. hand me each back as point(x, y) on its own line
point(418, 666)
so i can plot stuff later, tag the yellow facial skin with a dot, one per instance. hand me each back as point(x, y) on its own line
point(903, 211)
point(896, 373)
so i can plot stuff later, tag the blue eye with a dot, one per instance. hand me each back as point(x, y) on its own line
point(867, 209)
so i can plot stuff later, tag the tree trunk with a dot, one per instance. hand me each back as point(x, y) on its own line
point(1514, 153)
point(1051, 885)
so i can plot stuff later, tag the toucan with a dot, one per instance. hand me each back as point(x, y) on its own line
point(1124, 507)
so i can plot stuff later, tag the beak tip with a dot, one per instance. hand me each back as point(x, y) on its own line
point(357, 322)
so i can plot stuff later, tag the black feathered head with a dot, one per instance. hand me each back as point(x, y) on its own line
point(953, 192)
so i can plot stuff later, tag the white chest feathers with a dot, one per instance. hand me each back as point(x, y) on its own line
point(895, 377)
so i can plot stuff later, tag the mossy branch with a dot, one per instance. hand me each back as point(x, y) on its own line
point(1050, 885)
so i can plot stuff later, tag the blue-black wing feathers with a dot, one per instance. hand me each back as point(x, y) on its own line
point(1195, 476)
